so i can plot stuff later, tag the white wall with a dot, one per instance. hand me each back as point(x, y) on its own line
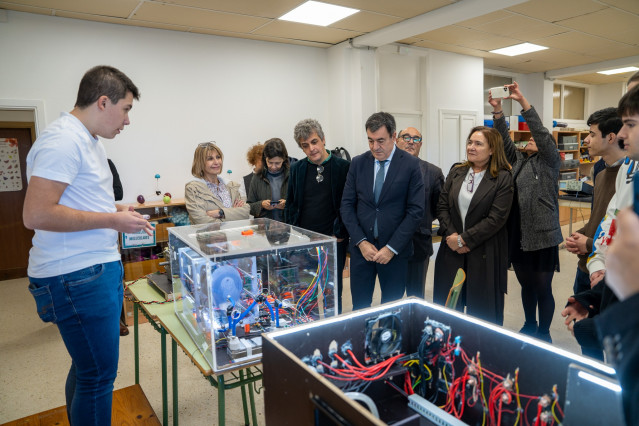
point(604, 96)
point(453, 82)
point(194, 88)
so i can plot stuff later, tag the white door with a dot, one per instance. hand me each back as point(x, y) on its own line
point(454, 127)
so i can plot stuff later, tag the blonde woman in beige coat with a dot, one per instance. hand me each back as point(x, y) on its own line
point(208, 198)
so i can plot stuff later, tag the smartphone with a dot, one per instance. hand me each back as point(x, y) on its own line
point(499, 92)
point(274, 203)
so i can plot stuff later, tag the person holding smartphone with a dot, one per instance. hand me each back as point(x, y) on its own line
point(534, 232)
point(269, 187)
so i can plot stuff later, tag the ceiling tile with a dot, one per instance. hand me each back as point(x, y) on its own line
point(265, 9)
point(520, 27)
point(452, 34)
point(191, 17)
point(285, 29)
point(595, 78)
point(28, 9)
point(401, 8)
point(122, 21)
point(575, 41)
point(490, 43)
point(627, 5)
point(485, 19)
point(409, 40)
point(119, 8)
point(262, 38)
point(365, 22)
point(449, 48)
point(554, 10)
point(608, 23)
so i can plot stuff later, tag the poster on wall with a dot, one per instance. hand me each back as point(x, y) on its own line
point(10, 175)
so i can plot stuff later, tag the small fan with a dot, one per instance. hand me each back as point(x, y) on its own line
point(383, 337)
point(226, 283)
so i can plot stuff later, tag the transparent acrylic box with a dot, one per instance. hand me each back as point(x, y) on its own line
point(241, 278)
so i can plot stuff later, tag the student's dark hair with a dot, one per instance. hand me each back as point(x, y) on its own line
point(107, 81)
point(634, 77)
point(275, 148)
point(629, 103)
point(607, 120)
point(379, 119)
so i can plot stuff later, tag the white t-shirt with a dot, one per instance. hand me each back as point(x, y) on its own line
point(66, 152)
point(467, 191)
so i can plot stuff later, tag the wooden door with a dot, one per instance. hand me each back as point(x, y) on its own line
point(15, 239)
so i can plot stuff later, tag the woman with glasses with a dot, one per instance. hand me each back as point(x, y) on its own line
point(533, 227)
point(207, 198)
point(472, 211)
point(268, 187)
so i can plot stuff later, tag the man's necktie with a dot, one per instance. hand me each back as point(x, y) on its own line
point(377, 189)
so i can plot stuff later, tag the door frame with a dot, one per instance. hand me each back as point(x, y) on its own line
point(35, 105)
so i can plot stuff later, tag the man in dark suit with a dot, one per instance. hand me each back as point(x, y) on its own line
point(315, 186)
point(410, 140)
point(382, 206)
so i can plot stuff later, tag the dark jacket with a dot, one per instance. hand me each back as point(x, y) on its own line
point(536, 178)
point(433, 182)
point(400, 207)
point(618, 329)
point(487, 238)
point(118, 192)
point(260, 190)
point(595, 300)
point(295, 196)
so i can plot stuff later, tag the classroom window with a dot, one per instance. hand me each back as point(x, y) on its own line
point(568, 102)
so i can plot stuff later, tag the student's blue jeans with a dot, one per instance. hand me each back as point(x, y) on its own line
point(86, 305)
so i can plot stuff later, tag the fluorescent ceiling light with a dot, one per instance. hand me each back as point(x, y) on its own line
point(317, 13)
point(618, 70)
point(518, 49)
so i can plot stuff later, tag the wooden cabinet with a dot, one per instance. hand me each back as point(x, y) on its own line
point(141, 261)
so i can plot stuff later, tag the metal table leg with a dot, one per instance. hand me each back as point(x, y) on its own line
point(136, 343)
point(251, 398)
point(221, 403)
point(242, 388)
point(175, 382)
point(165, 402)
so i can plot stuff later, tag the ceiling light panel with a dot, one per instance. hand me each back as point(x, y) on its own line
point(618, 70)
point(318, 13)
point(519, 49)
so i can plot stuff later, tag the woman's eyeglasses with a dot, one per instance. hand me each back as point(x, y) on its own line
point(319, 178)
point(470, 185)
point(408, 138)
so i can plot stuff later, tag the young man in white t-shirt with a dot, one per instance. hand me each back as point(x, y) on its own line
point(74, 270)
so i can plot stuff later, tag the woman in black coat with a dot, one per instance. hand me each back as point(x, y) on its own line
point(533, 229)
point(268, 188)
point(472, 211)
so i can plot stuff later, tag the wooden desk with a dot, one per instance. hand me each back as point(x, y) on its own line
point(574, 204)
point(163, 318)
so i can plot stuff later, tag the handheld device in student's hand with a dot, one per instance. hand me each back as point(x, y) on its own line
point(636, 193)
point(499, 92)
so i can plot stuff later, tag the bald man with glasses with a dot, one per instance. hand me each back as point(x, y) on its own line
point(410, 140)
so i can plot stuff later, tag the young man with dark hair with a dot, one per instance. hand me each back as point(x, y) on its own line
point(382, 206)
point(601, 141)
point(75, 272)
point(618, 327)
